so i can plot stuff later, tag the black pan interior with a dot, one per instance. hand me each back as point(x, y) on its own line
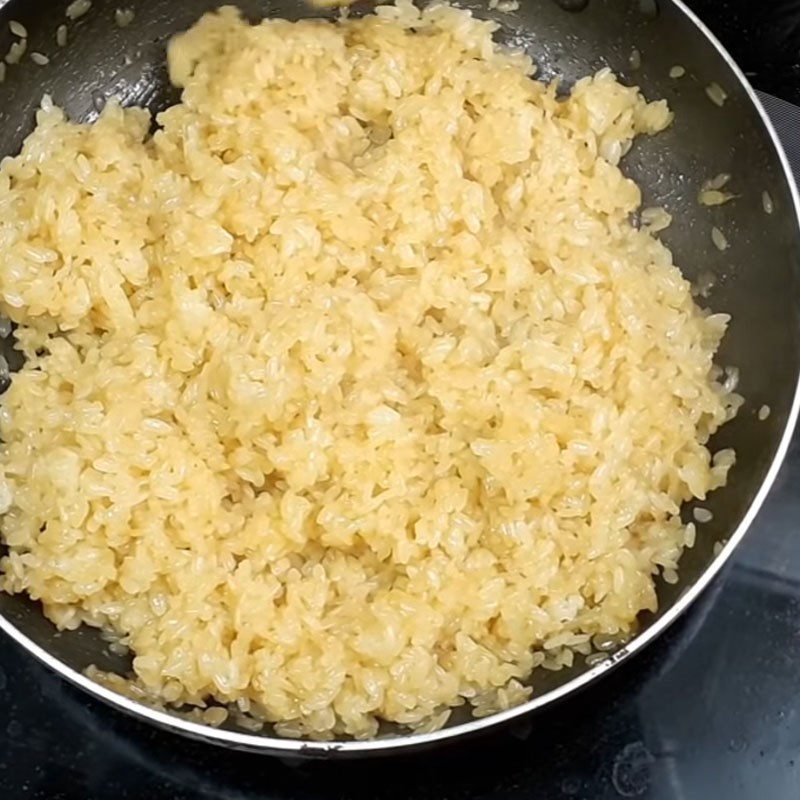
point(756, 279)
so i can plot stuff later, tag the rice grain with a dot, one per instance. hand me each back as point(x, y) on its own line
point(123, 17)
point(716, 94)
point(714, 197)
point(16, 52)
point(702, 515)
point(78, 8)
point(719, 239)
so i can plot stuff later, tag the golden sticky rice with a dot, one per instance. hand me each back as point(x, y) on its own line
point(352, 393)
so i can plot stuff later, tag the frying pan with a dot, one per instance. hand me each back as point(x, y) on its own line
point(755, 280)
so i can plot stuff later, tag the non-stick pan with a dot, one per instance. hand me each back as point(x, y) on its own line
point(755, 280)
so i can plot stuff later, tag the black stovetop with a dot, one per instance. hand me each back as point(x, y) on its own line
point(711, 710)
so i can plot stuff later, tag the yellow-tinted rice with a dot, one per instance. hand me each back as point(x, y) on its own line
point(352, 393)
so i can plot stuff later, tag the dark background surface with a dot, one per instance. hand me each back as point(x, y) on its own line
point(711, 710)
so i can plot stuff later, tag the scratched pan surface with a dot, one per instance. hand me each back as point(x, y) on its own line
point(755, 280)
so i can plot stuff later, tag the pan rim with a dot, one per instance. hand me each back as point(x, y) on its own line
point(404, 743)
